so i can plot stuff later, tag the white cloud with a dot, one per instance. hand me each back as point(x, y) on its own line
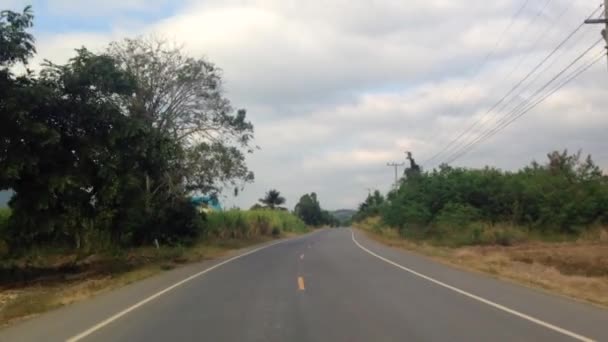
point(338, 88)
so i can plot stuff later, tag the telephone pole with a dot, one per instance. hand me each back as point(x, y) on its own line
point(602, 21)
point(396, 166)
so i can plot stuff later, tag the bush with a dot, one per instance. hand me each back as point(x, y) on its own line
point(176, 224)
point(457, 215)
point(566, 196)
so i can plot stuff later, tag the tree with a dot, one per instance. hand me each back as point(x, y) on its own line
point(272, 199)
point(16, 43)
point(74, 155)
point(370, 207)
point(66, 129)
point(182, 97)
point(309, 210)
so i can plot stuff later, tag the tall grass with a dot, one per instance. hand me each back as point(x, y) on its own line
point(238, 224)
point(453, 235)
point(5, 214)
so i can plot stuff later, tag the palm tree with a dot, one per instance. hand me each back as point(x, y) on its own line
point(273, 199)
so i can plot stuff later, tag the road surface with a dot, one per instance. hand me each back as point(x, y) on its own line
point(332, 285)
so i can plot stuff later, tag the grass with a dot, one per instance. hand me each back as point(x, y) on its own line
point(577, 268)
point(240, 224)
point(45, 279)
point(5, 214)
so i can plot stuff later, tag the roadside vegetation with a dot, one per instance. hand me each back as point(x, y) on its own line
point(103, 155)
point(237, 224)
point(544, 225)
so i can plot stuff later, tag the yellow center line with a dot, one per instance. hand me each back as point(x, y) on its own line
point(301, 283)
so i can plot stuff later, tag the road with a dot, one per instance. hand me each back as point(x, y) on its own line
point(331, 285)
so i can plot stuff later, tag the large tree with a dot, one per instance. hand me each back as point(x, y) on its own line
point(309, 209)
point(74, 155)
point(183, 97)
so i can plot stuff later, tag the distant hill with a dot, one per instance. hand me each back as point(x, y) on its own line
point(5, 196)
point(343, 214)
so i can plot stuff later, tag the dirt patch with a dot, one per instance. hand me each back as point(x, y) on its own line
point(576, 269)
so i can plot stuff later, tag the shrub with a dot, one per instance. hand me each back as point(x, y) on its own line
point(457, 215)
point(176, 224)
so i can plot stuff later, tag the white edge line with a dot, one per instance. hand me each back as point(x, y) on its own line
point(480, 299)
point(160, 293)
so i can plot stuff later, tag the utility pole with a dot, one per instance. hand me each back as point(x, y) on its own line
point(396, 166)
point(602, 21)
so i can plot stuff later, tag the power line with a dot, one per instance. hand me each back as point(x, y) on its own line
point(487, 115)
point(515, 97)
point(601, 20)
point(574, 75)
point(522, 109)
point(524, 57)
point(534, 79)
point(523, 104)
point(514, 88)
point(487, 58)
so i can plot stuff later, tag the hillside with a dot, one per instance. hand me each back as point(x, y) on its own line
point(343, 214)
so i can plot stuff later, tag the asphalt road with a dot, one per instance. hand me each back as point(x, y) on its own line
point(331, 285)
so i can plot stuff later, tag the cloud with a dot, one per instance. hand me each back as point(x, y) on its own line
point(338, 88)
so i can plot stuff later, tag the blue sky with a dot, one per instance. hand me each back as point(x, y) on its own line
point(57, 17)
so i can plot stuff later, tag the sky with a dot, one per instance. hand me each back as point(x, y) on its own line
point(337, 88)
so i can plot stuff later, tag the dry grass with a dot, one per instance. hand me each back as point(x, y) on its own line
point(19, 301)
point(577, 269)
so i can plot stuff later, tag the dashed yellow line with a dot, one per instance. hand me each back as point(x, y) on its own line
point(301, 284)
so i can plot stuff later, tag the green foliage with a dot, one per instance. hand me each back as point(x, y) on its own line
point(370, 207)
point(5, 215)
point(107, 148)
point(243, 224)
point(182, 97)
point(16, 43)
point(309, 210)
point(567, 195)
point(457, 215)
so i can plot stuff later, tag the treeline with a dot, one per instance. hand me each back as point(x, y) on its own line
point(308, 208)
point(108, 147)
point(566, 195)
